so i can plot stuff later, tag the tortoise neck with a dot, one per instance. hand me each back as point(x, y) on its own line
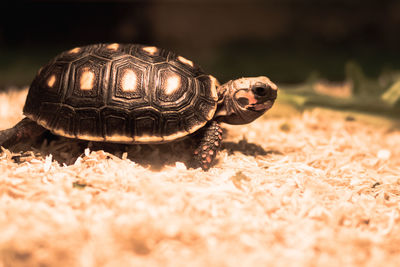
point(222, 91)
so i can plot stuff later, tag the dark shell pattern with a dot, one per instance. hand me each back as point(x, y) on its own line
point(121, 93)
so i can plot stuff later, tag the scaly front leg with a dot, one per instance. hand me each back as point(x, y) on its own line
point(209, 145)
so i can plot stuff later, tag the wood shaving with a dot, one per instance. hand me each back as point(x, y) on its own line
point(290, 189)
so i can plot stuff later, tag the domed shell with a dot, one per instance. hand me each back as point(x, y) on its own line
point(121, 93)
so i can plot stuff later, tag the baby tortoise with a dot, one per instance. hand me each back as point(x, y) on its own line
point(135, 94)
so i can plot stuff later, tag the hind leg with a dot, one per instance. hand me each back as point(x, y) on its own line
point(24, 131)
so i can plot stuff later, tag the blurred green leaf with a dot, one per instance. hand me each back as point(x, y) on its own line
point(392, 95)
point(367, 95)
point(361, 85)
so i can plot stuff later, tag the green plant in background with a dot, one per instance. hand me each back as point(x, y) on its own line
point(358, 92)
point(362, 86)
point(392, 95)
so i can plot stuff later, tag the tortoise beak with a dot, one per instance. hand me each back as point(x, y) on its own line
point(261, 106)
point(264, 95)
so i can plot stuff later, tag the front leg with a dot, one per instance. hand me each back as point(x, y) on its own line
point(210, 143)
point(23, 131)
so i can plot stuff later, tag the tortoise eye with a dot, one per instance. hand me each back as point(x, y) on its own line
point(243, 101)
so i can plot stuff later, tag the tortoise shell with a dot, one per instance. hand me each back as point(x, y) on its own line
point(121, 93)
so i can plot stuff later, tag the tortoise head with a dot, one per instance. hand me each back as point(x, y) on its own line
point(243, 100)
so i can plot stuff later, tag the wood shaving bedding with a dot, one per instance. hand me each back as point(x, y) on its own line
point(291, 189)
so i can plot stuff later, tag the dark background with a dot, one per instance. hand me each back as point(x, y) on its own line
point(287, 40)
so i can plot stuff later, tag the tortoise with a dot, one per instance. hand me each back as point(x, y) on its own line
point(137, 94)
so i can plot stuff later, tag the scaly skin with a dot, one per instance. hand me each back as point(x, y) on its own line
point(209, 145)
point(24, 130)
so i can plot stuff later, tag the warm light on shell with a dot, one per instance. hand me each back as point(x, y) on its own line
point(186, 61)
point(113, 46)
point(87, 79)
point(173, 83)
point(74, 50)
point(150, 49)
point(51, 81)
point(213, 88)
point(129, 81)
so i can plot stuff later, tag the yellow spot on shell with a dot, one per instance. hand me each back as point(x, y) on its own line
point(186, 61)
point(51, 81)
point(129, 81)
point(214, 85)
point(120, 139)
point(150, 49)
point(74, 51)
point(172, 84)
point(87, 79)
point(148, 139)
point(61, 132)
point(90, 137)
point(113, 46)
